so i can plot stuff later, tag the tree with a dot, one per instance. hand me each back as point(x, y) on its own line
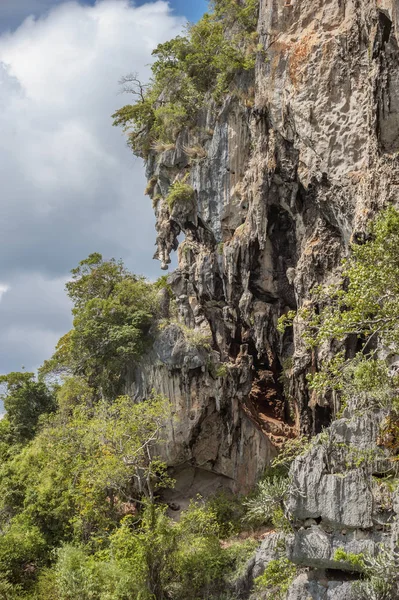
point(25, 401)
point(113, 313)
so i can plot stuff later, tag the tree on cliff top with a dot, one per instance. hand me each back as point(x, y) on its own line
point(187, 70)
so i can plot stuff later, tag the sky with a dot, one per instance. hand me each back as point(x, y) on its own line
point(69, 184)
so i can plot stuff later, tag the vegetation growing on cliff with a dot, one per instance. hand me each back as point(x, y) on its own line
point(187, 70)
point(380, 579)
point(180, 192)
point(364, 308)
point(277, 578)
point(268, 504)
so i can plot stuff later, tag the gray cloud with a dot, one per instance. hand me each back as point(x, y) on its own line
point(12, 12)
point(69, 184)
point(34, 312)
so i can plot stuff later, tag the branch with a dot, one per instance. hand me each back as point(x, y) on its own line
point(131, 84)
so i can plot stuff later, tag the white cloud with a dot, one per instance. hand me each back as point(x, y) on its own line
point(70, 186)
point(3, 289)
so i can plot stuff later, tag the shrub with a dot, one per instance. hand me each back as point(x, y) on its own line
point(22, 548)
point(229, 512)
point(268, 504)
point(180, 192)
point(380, 573)
point(364, 305)
point(149, 190)
point(25, 401)
point(9, 591)
point(277, 578)
point(113, 313)
point(290, 451)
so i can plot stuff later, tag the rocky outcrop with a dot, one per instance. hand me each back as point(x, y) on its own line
point(286, 173)
point(271, 548)
point(306, 587)
point(340, 500)
point(207, 432)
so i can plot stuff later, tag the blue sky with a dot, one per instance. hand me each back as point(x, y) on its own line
point(192, 9)
point(69, 184)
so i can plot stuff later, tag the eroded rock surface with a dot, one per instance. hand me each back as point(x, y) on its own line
point(290, 171)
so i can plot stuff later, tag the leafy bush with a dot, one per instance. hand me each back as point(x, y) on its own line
point(179, 192)
point(380, 573)
point(277, 578)
point(267, 506)
point(22, 548)
point(151, 557)
point(113, 312)
point(8, 591)
point(229, 512)
point(292, 448)
point(25, 401)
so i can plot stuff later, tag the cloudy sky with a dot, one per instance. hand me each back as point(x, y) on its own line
point(69, 184)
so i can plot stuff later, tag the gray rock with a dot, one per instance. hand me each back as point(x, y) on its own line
point(271, 548)
point(287, 180)
point(333, 482)
point(316, 548)
point(305, 588)
point(176, 352)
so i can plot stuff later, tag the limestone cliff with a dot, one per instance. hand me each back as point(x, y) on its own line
point(286, 173)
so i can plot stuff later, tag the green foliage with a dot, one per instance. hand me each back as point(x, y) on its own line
point(267, 506)
point(187, 70)
point(364, 305)
point(79, 576)
point(228, 511)
point(289, 452)
point(380, 572)
point(237, 557)
point(22, 548)
point(9, 591)
point(221, 371)
point(370, 303)
point(180, 192)
point(80, 476)
point(277, 578)
point(82, 494)
point(356, 560)
point(234, 11)
point(286, 320)
point(150, 558)
point(76, 480)
point(25, 401)
point(198, 338)
point(113, 312)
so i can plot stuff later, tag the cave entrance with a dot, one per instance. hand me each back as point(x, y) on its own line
point(267, 405)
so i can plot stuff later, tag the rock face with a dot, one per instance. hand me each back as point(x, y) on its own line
point(208, 431)
point(340, 501)
point(286, 173)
